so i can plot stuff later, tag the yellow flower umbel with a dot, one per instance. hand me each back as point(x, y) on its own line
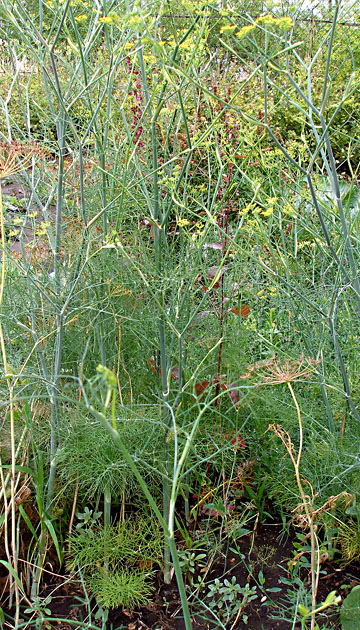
point(282, 23)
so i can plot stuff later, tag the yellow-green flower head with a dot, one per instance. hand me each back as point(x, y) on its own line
point(246, 30)
point(227, 29)
point(283, 23)
point(81, 18)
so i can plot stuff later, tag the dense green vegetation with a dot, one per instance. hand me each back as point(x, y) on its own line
point(179, 298)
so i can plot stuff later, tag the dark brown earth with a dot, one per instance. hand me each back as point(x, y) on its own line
point(267, 551)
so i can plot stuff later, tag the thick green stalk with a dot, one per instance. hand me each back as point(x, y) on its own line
point(159, 246)
point(58, 277)
point(107, 506)
point(144, 487)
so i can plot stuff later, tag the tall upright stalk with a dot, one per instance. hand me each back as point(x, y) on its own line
point(13, 559)
point(160, 246)
point(309, 515)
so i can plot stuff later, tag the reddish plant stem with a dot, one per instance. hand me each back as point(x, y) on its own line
point(136, 107)
point(224, 223)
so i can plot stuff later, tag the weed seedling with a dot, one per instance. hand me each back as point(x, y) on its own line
point(227, 599)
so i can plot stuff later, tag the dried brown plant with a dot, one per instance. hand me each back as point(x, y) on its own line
point(15, 156)
point(274, 372)
point(328, 506)
point(284, 437)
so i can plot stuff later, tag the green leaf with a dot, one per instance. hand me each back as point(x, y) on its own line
point(350, 610)
point(28, 522)
point(24, 469)
point(303, 610)
point(13, 573)
point(39, 483)
point(54, 537)
point(241, 532)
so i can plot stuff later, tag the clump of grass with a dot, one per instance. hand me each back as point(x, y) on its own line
point(349, 540)
point(127, 589)
point(116, 562)
point(130, 542)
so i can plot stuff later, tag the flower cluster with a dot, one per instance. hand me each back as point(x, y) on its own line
point(283, 23)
